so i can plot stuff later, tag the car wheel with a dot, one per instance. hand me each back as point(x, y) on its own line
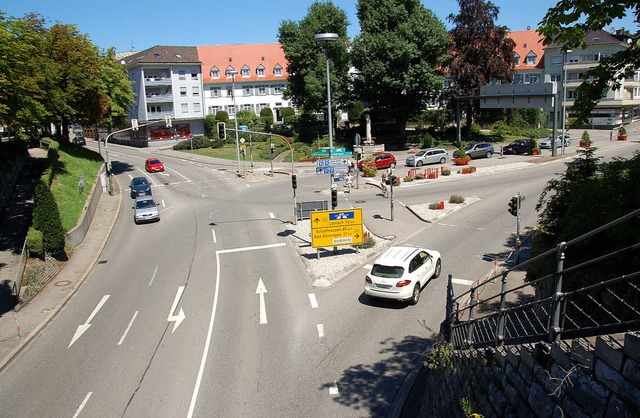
point(443, 160)
point(489, 154)
point(415, 297)
point(419, 164)
point(438, 269)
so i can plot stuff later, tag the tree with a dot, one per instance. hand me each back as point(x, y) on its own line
point(266, 118)
point(306, 60)
point(481, 51)
point(115, 94)
point(569, 22)
point(399, 56)
point(210, 126)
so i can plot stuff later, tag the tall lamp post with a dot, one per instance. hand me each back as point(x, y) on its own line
point(235, 112)
point(328, 37)
point(564, 93)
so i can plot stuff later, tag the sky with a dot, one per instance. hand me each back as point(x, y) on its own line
point(135, 25)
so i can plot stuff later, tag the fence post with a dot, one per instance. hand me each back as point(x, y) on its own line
point(554, 325)
point(503, 309)
point(472, 308)
point(448, 329)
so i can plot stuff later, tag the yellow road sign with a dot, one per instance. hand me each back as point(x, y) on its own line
point(336, 227)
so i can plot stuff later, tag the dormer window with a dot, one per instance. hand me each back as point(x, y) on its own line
point(229, 71)
point(277, 70)
point(516, 59)
point(215, 72)
point(245, 71)
point(531, 59)
point(260, 71)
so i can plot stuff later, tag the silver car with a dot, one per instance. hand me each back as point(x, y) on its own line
point(427, 156)
point(145, 210)
point(546, 143)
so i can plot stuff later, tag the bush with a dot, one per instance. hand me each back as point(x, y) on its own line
point(369, 168)
point(368, 242)
point(222, 116)
point(446, 171)
point(35, 243)
point(454, 198)
point(434, 205)
point(46, 218)
point(408, 179)
point(288, 114)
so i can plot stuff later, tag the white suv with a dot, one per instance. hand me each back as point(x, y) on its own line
point(400, 273)
point(427, 156)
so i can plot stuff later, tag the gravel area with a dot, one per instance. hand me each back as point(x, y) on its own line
point(330, 267)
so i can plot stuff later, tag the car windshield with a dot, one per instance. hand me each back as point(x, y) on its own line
point(468, 146)
point(420, 153)
point(391, 272)
point(139, 182)
point(147, 203)
point(154, 162)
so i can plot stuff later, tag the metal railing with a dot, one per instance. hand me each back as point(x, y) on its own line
point(543, 309)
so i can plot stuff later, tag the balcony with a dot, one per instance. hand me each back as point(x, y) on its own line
point(159, 115)
point(157, 80)
point(159, 98)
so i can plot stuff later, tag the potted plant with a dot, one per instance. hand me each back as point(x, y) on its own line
point(585, 141)
point(535, 151)
point(622, 134)
point(460, 157)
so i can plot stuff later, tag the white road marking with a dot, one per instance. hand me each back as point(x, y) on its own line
point(271, 215)
point(463, 282)
point(153, 276)
point(82, 405)
point(247, 185)
point(261, 290)
point(333, 389)
point(320, 330)
point(180, 317)
point(213, 232)
point(163, 205)
point(257, 247)
point(82, 328)
point(126, 331)
point(313, 300)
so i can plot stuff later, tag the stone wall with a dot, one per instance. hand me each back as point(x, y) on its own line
point(598, 377)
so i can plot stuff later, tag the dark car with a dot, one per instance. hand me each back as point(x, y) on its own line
point(382, 160)
point(139, 186)
point(79, 140)
point(477, 150)
point(519, 146)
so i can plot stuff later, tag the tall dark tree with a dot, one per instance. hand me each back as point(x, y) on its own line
point(399, 56)
point(306, 85)
point(481, 52)
point(570, 21)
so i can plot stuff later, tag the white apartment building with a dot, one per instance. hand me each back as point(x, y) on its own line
point(167, 81)
point(261, 75)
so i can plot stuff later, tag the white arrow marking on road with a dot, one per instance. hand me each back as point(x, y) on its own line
point(82, 328)
point(180, 317)
point(261, 290)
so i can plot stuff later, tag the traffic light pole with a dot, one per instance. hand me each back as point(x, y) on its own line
point(517, 253)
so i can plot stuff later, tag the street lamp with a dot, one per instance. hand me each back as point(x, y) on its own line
point(326, 38)
point(235, 111)
point(564, 93)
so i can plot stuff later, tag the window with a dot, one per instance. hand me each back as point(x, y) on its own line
point(231, 110)
point(229, 91)
point(195, 91)
point(260, 71)
point(182, 75)
point(213, 109)
point(277, 89)
point(214, 73)
point(556, 60)
point(245, 71)
point(556, 78)
point(196, 107)
point(154, 109)
point(185, 107)
point(531, 59)
point(277, 70)
point(194, 76)
point(228, 72)
point(183, 92)
point(215, 91)
point(262, 106)
point(262, 91)
point(516, 59)
point(532, 78)
point(246, 107)
point(247, 91)
point(636, 92)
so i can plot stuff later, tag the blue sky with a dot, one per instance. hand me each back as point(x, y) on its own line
point(140, 24)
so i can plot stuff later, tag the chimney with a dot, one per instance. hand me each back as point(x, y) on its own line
point(528, 27)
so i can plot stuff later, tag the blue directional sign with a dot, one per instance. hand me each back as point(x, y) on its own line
point(341, 215)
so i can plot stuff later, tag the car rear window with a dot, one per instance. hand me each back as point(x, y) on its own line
point(148, 203)
point(391, 272)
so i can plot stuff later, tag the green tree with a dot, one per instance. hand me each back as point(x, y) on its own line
point(247, 117)
point(222, 116)
point(210, 125)
point(115, 94)
point(288, 114)
point(306, 61)
point(399, 56)
point(568, 23)
point(266, 118)
point(481, 52)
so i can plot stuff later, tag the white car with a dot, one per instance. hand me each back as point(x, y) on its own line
point(546, 143)
point(401, 272)
point(427, 156)
point(145, 209)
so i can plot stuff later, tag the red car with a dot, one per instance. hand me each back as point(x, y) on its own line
point(153, 165)
point(382, 160)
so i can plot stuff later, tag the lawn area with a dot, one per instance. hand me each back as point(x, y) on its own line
point(261, 151)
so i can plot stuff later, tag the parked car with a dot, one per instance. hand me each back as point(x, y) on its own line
point(145, 210)
point(519, 146)
point(139, 186)
point(401, 272)
point(153, 165)
point(79, 140)
point(382, 160)
point(477, 150)
point(427, 156)
point(546, 143)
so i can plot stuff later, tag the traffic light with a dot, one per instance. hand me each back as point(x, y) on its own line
point(294, 181)
point(514, 205)
point(134, 124)
point(222, 130)
point(334, 198)
point(167, 121)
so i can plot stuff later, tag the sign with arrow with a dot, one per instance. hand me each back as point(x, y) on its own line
point(336, 227)
point(84, 327)
point(176, 319)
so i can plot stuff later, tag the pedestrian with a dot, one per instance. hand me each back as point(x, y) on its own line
point(81, 184)
point(349, 181)
point(611, 136)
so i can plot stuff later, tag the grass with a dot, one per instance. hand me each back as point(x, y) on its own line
point(261, 151)
point(74, 162)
